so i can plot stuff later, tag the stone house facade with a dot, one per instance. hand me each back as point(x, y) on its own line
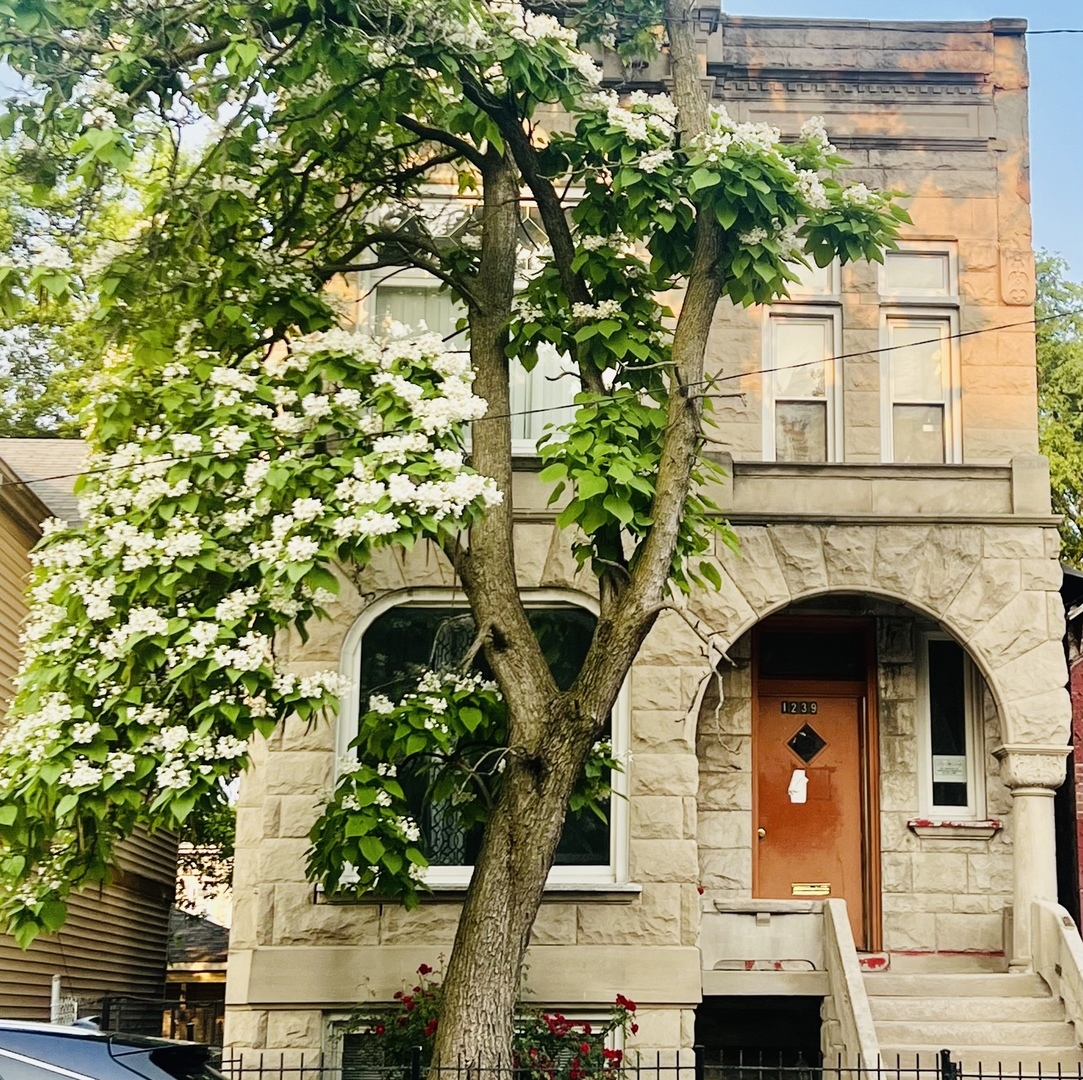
point(888, 722)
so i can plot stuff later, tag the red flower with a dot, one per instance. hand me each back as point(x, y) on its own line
point(587, 1029)
point(635, 1028)
point(626, 1003)
point(613, 1055)
point(398, 995)
point(430, 1027)
point(380, 1029)
point(424, 969)
point(407, 1003)
point(700, 889)
point(402, 1021)
point(533, 1052)
point(584, 1048)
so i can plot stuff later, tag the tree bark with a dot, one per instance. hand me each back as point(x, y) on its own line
point(551, 733)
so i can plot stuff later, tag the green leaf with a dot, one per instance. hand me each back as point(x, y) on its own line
point(710, 572)
point(471, 718)
point(588, 485)
point(53, 914)
point(371, 848)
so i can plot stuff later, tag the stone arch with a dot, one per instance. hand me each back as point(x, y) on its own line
point(995, 594)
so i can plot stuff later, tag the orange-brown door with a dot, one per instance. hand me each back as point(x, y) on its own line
point(808, 836)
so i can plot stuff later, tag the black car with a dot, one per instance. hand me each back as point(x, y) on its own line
point(51, 1052)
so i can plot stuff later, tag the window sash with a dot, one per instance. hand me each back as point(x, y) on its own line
point(910, 337)
point(793, 378)
point(934, 774)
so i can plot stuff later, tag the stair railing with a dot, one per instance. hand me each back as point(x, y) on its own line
point(860, 1048)
point(1058, 957)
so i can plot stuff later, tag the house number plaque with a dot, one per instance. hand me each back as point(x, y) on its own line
point(798, 708)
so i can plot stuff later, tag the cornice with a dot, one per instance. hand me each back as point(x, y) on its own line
point(738, 78)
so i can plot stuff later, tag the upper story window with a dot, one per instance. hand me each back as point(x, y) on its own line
point(398, 639)
point(801, 398)
point(950, 739)
point(919, 369)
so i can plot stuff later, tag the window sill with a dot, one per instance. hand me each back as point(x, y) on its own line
point(945, 829)
point(555, 893)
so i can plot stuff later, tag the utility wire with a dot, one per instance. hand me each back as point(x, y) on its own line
point(711, 381)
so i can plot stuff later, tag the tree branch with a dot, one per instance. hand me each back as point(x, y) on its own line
point(461, 146)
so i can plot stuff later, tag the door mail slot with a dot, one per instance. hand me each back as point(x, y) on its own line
point(810, 888)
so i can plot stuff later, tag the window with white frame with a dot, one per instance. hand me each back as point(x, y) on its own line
point(801, 398)
point(801, 410)
point(920, 376)
point(400, 637)
point(949, 701)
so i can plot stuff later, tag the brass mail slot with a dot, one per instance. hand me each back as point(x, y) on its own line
point(810, 888)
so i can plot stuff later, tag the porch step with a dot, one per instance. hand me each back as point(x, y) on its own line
point(1012, 1060)
point(987, 1010)
point(987, 1021)
point(969, 985)
point(961, 1031)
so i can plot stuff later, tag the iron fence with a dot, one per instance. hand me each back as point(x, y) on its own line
point(699, 1064)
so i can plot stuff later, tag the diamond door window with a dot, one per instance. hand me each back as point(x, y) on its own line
point(806, 743)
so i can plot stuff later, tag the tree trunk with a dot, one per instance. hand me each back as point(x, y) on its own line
point(551, 733)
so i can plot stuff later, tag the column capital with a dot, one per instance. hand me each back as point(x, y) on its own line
point(1034, 765)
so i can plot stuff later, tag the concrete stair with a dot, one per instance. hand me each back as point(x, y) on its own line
point(987, 1021)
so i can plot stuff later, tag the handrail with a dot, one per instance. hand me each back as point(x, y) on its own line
point(861, 1048)
point(1057, 950)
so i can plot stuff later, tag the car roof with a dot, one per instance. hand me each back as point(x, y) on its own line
point(115, 1037)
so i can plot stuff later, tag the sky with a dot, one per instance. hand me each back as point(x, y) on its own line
point(1056, 101)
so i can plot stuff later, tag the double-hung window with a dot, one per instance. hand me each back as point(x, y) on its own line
point(950, 734)
point(920, 375)
point(801, 398)
point(399, 638)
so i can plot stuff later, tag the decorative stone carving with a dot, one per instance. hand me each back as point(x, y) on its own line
point(1038, 766)
point(1016, 276)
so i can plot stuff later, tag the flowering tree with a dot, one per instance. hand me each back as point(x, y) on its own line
point(244, 445)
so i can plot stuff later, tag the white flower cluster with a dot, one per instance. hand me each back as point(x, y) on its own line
point(860, 195)
point(604, 309)
point(814, 131)
point(642, 117)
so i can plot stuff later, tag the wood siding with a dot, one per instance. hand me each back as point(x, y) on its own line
point(115, 939)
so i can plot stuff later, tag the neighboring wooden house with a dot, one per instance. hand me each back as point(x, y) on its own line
point(114, 943)
point(874, 785)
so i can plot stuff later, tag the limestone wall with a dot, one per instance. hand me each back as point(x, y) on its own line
point(939, 114)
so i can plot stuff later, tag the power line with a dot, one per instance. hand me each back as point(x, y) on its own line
point(711, 381)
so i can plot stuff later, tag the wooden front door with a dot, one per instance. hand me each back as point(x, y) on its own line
point(807, 829)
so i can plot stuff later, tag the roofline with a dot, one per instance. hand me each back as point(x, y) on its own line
point(1005, 26)
point(20, 502)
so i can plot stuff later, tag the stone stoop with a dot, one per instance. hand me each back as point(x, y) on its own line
point(985, 1020)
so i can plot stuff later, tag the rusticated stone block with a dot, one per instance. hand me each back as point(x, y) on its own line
point(989, 587)
point(969, 933)
point(433, 924)
point(295, 1029)
point(730, 790)
point(898, 554)
point(654, 918)
point(664, 774)
point(910, 930)
point(245, 1028)
point(297, 772)
point(939, 873)
point(990, 874)
point(800, 554)
point(848, 553)
point(657, 688)
point(657, 817)
point(1019, 626)
point(299, 920)
point(726, 871)
point(662, 731)
point(555, 925)
point(724, 829)
point(755, 568)
point(949, 556)
point(664, 860)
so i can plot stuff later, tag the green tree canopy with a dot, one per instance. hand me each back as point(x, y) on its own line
point(1060, 395)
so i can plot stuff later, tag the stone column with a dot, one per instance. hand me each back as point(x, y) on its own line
point(1032, 773)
